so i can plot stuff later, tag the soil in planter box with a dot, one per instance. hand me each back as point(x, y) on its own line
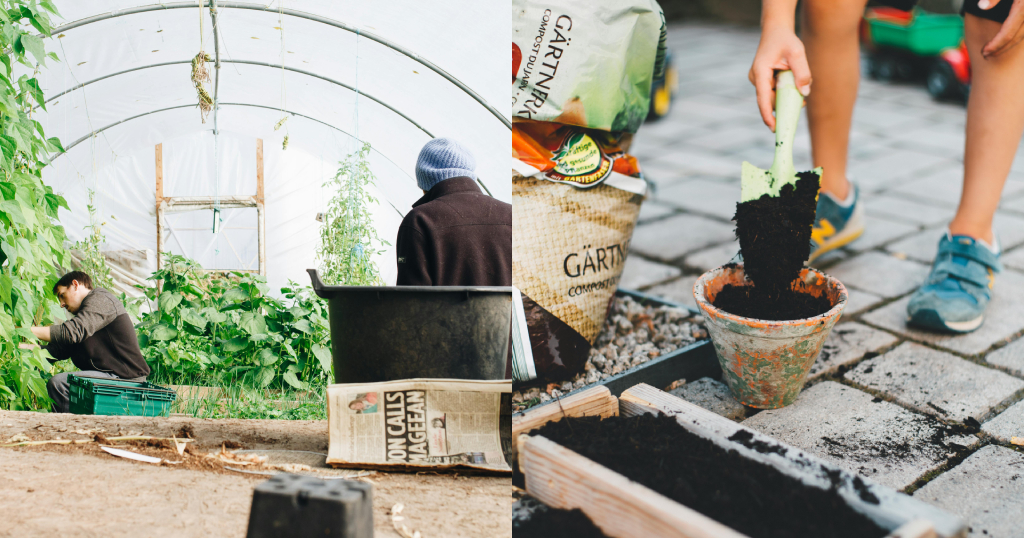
point(775, 239)
point(554, 523)
point(752, 498)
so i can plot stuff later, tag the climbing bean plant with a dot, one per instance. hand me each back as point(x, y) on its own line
point(347, 238)
point(31, 240)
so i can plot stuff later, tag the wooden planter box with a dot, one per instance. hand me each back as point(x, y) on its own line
point(690, 362)
point(622, 508)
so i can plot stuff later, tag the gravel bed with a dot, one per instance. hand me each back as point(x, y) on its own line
point(632, 335)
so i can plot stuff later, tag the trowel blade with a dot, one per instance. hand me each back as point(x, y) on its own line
point(754, 182)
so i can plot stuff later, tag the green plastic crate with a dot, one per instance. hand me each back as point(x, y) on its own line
point(928, 34)
point(100, 396)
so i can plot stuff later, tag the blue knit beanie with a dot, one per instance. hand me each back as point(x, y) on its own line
point(441, 159)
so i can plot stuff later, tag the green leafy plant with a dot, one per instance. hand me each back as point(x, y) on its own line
point(226, 329)
point(91, 259)
point(31, 240)
point(347, 238)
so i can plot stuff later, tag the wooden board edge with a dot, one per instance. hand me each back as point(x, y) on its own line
point(917, 528)
point(563, 479)
point(595, 401)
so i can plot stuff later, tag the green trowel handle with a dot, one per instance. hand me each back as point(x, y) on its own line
point(788, 103)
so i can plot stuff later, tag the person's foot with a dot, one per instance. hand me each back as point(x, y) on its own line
point(836, 223)
point(954, 297)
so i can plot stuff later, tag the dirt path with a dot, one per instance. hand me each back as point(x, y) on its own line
point(72, 491)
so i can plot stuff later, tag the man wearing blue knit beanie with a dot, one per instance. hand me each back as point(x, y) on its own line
point(455, 234)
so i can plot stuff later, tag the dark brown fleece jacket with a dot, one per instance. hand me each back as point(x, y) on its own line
point(456, 235)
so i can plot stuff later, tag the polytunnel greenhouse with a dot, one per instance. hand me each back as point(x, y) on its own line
point(294, 86)
point(255, 268)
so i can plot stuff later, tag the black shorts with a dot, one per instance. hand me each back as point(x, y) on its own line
point(997, 14)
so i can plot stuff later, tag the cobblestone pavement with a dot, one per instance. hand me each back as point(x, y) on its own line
point(875, 376)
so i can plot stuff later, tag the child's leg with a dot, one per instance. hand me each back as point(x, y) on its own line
point(995, 121)
point(830, 36)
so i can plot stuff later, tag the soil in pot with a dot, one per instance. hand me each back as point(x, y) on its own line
point(775, 239)
point(752, 498)
point(751, 302)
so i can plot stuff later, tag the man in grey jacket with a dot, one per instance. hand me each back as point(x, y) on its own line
point(100, 339)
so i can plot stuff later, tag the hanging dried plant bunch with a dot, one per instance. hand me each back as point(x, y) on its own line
point(200, 75)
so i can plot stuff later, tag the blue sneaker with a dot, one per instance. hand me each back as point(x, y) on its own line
point(954, 297)
point(836, 224)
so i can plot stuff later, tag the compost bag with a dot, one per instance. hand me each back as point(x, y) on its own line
point(586, 63)
point(576, 197)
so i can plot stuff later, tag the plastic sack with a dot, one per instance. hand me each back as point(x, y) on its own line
point(574, 222)
point(586, 63)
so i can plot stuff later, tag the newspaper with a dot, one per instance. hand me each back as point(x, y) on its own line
point(421, 423)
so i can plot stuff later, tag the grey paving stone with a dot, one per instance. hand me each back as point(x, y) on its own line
point(920, 246)
point(936, 382)
point(883, 118)
point(1003, 319)
point(831, 258)
point(908, 210)
point(885, 169)
point(880, 230)
point(848, 342)
point(880, 273)
point(675, 236)
point(698, 112)
point(1014, 259)
point(702, 196)
point(673, 132)
point(662, 175)
point(712, 395)
point(866, 435)
point(859, 300)
point(1008, 424)
point(640, 273)
point(712, 257)
point(942, 185)
point(690, 161)
point(733, 136)
point(679, 291)
point(1013, 204)
point(651, 210)
point(1009, 357)
point(986, 490)
point(946, 138)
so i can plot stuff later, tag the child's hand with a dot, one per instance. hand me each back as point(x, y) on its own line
point(1010, 33)
point(779, 50)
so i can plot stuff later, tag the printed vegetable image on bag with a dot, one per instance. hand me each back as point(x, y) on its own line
point(583, 158)
point(576, 198)
point(585, 63)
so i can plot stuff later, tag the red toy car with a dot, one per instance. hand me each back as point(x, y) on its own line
point(914, 45)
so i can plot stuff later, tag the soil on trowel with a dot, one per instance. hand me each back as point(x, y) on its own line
point(775, 240)
point(754, 302)
point(554, 523)
point(752, 498)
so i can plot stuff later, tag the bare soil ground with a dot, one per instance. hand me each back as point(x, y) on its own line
point(80, 491)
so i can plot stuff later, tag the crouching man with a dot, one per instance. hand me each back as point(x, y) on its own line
point(100, 339)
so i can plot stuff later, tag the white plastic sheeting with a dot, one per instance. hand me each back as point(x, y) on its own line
point(127, 77)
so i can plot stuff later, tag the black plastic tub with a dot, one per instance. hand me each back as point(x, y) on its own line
point(690, 362)
point(384, 333)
